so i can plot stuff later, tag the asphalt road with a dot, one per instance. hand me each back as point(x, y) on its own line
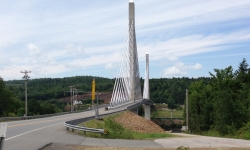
point(36, 133)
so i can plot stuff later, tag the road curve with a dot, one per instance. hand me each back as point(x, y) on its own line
point(36, 133)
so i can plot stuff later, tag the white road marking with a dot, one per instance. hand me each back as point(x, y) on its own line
point(31, 131)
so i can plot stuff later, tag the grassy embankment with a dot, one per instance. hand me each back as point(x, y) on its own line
point(117, 131)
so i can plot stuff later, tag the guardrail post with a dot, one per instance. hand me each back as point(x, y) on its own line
point(84, 132)
point(3, 130)
point(1, 143)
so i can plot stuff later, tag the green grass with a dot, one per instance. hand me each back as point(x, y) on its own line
point(242, 133)
point(117, 131)
point(167, 114)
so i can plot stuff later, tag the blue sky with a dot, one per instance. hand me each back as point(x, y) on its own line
point(75, 38)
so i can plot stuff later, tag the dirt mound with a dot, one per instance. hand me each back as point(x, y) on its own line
point(138, 124)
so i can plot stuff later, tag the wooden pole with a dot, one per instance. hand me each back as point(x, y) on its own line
point(186, 109)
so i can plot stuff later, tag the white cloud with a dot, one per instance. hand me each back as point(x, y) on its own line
point(173, 71)
point(33, 49)
point(109, 66)
point(194, 44)
point(171, 57)
point(66, 38)
point(74, 50)
point(197, 66)
point(179, 68)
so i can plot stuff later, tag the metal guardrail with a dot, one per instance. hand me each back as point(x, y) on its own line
point(85, 129)
point(73, 124)
point(4, 119)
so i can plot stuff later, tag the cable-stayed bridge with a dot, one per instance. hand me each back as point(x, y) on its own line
point(127, 94)
point(127, 88)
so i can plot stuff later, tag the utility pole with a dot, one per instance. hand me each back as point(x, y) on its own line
point(93, 92)
point(186, 109)
point(71, 99)
point(72, 95)
point(26, 77)
point(96, 107)
point(74, 92)
point(76, 99)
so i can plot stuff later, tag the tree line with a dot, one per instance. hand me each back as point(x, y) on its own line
point(43, 94)
point(222, 105)
point(54, 88)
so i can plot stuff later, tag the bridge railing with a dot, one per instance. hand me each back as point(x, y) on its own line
point(5, 119)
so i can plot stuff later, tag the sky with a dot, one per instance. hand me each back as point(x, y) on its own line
point(56, 39)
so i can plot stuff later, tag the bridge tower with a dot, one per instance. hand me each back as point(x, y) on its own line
point(127, 86)
point(146, 95)
point(133, 55)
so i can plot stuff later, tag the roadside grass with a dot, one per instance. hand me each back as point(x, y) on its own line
point(166, 113)
point(117, 131)
point(242, 133)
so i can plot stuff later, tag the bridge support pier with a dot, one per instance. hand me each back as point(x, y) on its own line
point(147, 111)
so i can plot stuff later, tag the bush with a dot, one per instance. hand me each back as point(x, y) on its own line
point(244, 132)
point(183, 148)
point(20, 111)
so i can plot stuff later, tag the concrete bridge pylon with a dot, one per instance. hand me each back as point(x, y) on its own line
point(127, 86)
point(146, 93)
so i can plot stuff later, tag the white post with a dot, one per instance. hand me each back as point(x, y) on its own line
point(3, 130)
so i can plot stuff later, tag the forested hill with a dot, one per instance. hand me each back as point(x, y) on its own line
point(165, 90)
point(53, 88)
point(172, 90)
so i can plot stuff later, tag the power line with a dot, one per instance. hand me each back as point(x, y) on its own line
point(11, 66)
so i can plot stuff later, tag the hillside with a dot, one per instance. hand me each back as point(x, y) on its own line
point(126, 125)
point(138, 124)
point(163, 90)
point(55, 88)
point(50, 95)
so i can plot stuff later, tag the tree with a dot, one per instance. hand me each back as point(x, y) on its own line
point(8, 103)
point(200, 107)
point(34, 107)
